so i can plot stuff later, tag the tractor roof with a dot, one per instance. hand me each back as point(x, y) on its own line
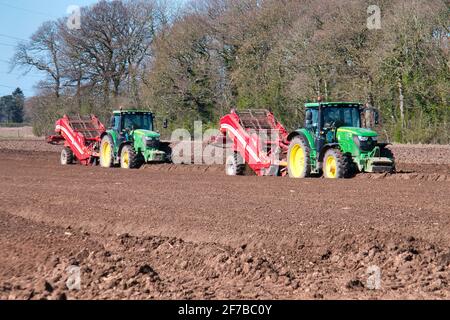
point(333, 104)
point(131, 112)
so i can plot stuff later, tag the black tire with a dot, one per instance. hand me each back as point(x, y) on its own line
point(235, 165)
point(67, 156)
point(387, 153)
point(304, 169)
point(107, 155)
point(129, 159)
point(165, 147)
point(340, 167)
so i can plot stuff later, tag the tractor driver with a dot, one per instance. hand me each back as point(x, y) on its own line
point(329, 118)
point(128, 124)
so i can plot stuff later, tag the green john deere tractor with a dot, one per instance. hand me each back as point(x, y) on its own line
point(131, 141)
point(335, 143)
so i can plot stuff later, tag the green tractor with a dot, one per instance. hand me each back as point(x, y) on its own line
point(131, 141)
point(335, 143)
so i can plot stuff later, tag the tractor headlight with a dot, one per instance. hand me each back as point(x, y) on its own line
point(365, 139)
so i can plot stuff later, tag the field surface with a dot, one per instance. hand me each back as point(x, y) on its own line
point(190, 232)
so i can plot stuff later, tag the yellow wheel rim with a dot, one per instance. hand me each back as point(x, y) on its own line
point(125, 160)
point(106, 153)
point(331, 168)
point(297, 161)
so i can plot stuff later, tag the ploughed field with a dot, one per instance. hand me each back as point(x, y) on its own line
point(190, 232)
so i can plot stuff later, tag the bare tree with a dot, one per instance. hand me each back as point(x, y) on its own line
point(42, 52)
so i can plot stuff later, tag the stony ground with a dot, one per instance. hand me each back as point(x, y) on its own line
point(189, 232)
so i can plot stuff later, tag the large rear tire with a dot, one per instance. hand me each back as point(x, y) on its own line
point(129, 159)
point(299, 160)
point(387, 153)
point(337, 165)
point(235, 165)
point(67, 156)
point(106, 152)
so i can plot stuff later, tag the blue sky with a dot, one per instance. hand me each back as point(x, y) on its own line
point(19, 19)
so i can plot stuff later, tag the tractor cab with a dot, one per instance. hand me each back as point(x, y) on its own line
point(123, 121)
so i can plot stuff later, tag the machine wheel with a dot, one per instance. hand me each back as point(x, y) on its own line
point(337, 165)
point(387, 153)
point(67, 156)
point(129, 159)
point(299, 165)
point(235, 165)
point(165, 147)
point(106, 152)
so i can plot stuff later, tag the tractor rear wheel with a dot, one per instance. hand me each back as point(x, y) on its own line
point(337, 165)
point(106, 152)
point(129, 159)
point(387, 153)
point(299, 165)
point(67, 156)
point(235, 165)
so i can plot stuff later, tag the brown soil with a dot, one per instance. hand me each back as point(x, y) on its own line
point(189, 232)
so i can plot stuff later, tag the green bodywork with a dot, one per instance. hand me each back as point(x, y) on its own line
point(145, 141)
point(346, 138)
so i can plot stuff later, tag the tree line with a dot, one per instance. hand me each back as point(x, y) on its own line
point(12, 108)
point(198, 61)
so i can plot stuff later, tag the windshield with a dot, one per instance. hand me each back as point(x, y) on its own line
point(137, 121)
point(341, 117)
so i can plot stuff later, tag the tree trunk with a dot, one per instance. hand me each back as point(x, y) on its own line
point(401, 103)
point(79, 93)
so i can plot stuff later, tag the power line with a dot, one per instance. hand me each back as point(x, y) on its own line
point(7, 44)
point(11, 37)
point(9, 87)
point(22, 75)
point(26, 10)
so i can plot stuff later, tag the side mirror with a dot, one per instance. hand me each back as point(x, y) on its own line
point(113, 122)
point(165, 124)
point(377, 117)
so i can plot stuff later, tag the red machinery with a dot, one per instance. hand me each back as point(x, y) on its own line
point(81, 135)
point(259, 138)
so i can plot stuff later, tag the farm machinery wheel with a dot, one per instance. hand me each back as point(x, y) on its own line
point(337, 165)
point(129, 159)
point(67, 156)
point(106, 152)
point(235, 165)
point(299, 159)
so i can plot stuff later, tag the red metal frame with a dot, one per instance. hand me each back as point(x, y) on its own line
point(81, 135)
point(258, 137)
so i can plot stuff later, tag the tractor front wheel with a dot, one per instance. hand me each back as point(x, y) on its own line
point(299, 159)
point(337, 165)
point(129, 159)
point(67, 156)
point(106, 152)
point(235, 165)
